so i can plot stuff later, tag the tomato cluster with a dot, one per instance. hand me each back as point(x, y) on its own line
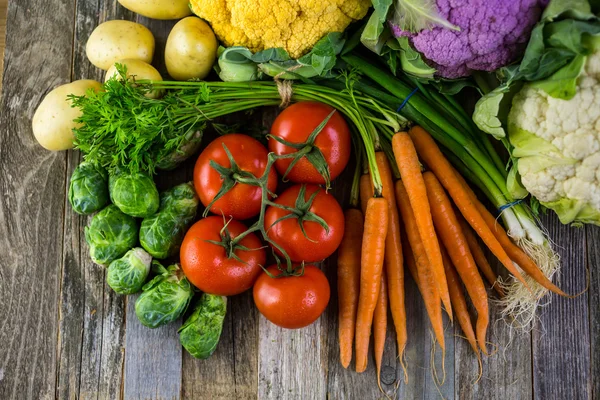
point(309, 145)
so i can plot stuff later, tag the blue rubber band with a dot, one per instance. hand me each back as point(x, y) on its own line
point(509, 205)
point(415, 90)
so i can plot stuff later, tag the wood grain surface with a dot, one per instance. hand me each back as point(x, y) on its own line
point(65, 334)
point(3, 10)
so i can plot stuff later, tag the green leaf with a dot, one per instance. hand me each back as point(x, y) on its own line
point(487, 112)
point(318, 62)
point(412, 62)
point(563, 83)
point(514, 185)
point(557, 7)
point(418, 15)
point(274, 54)
point(373, 36)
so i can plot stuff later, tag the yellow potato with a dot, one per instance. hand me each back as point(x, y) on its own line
point(53, 120)
point(119, 40)
point(159, 9)
point(139, 70)
point(191, 49)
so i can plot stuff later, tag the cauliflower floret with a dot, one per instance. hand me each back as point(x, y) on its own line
point(295, 25)
point(558, 145)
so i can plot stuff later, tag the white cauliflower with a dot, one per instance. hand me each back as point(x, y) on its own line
point(557, 143)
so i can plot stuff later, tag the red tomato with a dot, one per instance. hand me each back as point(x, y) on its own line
point(242, 201)
point(288, 234)
point(207, 265)
point(295, 124)
point(292, 302)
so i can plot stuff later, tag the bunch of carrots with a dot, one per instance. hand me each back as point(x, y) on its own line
point(428, 220)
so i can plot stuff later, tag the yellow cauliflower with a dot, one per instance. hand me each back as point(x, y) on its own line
point(295, 25)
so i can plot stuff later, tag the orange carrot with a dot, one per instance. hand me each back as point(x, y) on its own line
point(348, 274)
point(479, 256)
point(410, 171)
point(393, 254)
point(380, 326)
point(422, 273)
point(366, 191)
point(410, 227)
point(431, 154)
point(513, 251)
point(371, 265)
point(454, 241)
point(459, 303)
point(424, 279)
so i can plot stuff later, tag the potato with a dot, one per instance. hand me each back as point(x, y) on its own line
point(53, 120)
point(159, 9)
point(191, 49)
point(119, 40)
point(140, 70)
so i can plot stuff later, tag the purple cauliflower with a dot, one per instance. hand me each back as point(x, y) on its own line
point(493, 33)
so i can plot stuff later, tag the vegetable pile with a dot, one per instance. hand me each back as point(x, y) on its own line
point(424, 170)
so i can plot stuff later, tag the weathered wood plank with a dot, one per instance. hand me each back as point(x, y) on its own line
point(3, 9)
point(347, 383)
point(231, 372)
point(292, 363)
point(91, 362)
point(506, 373)
point(561, 341)
point(593, 264)
point(152, 359)
point(32, 182)
point(155, 371)
point(420, 368)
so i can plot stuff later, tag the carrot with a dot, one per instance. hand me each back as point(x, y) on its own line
point(366, 191)
point(454, 241)
point(348, 274)
point(424, 280)
point(410, 171)
point(431, 154)
point(459, 303)
point(513, 251)
point(380, 326)
point(371, 265)
point(393, 254)
point(479, 256)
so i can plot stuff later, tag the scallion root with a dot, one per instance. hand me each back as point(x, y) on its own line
point(519, 305)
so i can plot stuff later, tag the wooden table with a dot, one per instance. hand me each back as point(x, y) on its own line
point(65, 334)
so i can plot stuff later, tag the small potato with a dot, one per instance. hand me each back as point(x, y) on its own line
point(159, 9)
point(119, 40)
point(191, 49)
point(53, 120)
point(139, 70)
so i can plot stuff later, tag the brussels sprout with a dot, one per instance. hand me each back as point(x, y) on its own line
point(189, 145)
point(161, 235)
point(128, 274)
point(88, 190)
point(199, 335)
point(110, 234)
point(134, 194)
point(165, 298)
